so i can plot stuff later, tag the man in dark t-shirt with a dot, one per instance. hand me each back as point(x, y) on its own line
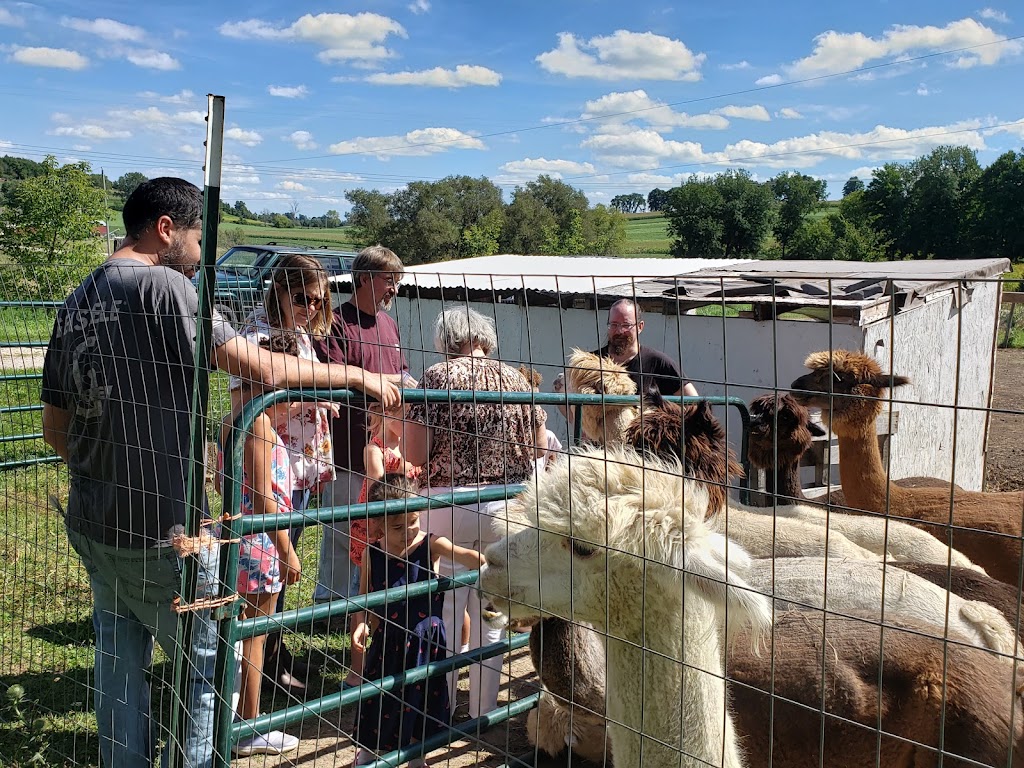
point(361, 334)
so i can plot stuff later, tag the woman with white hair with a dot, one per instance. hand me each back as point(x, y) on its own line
point(469, 446)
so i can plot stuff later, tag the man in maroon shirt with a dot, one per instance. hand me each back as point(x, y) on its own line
point(362, 330)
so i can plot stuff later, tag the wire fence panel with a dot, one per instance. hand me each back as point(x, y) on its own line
point(803, 547)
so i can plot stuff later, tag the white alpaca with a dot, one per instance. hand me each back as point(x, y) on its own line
point(807, 530)
point(856, 587)
point(893, 539)
point(602, 539)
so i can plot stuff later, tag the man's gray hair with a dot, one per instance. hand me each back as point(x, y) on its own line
point(454, 329)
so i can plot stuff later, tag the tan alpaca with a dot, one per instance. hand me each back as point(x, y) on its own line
point(590, 374)
point(987, 525)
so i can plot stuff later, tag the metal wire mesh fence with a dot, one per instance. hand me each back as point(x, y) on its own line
point(690, 586)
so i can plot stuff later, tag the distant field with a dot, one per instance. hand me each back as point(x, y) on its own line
point(647, 235)
point(340, 237)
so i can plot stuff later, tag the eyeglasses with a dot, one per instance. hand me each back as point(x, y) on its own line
point(389, 279)
point(621, 326)
point(305, 300)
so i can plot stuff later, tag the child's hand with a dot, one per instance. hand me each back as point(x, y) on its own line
point(291, 567)
point(359, 636)
point(334, 409)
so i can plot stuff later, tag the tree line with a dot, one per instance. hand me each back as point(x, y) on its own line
point(942, 205)
point(461, 216)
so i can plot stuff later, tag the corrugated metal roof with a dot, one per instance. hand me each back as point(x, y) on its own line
point(561, 274)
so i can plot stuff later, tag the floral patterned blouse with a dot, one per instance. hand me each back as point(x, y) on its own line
point(306, 433)
point(478, 443)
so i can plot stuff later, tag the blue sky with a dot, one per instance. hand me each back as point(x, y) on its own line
point(612, 97)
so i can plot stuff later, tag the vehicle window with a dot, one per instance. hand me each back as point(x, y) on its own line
point(244, 258)
point(332, 264)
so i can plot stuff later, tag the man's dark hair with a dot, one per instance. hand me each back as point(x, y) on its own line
point(163, 196)
point(637, 312)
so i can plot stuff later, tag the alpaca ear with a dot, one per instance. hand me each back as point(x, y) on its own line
point(816, 429)
point(651, 398)
point(886, 381)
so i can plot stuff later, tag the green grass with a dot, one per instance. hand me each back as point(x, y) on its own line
point(26, 323)
point(647, 234)
point(1014, 338)
point(46, 635)
point(259, 234)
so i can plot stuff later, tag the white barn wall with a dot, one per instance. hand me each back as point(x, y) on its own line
point(925, 349)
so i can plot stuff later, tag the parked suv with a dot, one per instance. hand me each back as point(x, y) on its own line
point(244, 272)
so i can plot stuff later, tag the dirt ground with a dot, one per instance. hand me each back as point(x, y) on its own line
point(1004, 470)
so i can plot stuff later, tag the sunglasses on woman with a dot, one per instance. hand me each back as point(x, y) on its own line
point(305, 300)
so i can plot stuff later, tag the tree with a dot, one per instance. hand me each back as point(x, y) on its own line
point(241, 210)
point(369, 216)
point(853, 184)
point(604, 231)
point(527, 224)
point(938, 202)
point(887, 199)
point(46, 228)
point(995, 214)
point(631, 203)
point(127, 183)
point(798, 196)
point(545, 216)
point(331, 219)
point(694, 212)
point(657, 200)
point(748, 212)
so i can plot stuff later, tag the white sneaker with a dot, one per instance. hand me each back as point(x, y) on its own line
point(273, 743)
point(364, 757)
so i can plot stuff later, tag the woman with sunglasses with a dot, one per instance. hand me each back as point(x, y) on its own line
point(298, 302)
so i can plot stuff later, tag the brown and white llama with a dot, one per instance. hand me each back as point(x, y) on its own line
point(590, 536)
point(780, 433)
point(849, 388)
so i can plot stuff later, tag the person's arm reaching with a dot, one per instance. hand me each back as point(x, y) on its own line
point(274, 369)
point(441, 547)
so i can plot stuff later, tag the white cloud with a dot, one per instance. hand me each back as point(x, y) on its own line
point(880, 143)
point(108, 29)
point(438, 77)
point(60, 117)
point(423, 141)
point(419, 6)
point(236, 173)
point(623, 55)
point(773, 79)
point(90, 131)
point(293, 186)
point(528, 168)
point(8, 19)
point(753, 112)
point(788, 113)
point(301, 140)
point(192, 116)
point(839, 51)
point(922, 90)
point(1014, 129)
point(59, 58)
point(645, 149)
point(288, 91)
point(993, 15)
point(342, 37)
point(652, 180)
point(190, 151)
point(623, 107)
point(248, 138)
point(82, 147)
point(738, 65)
point(153, 60)
point(181, 97)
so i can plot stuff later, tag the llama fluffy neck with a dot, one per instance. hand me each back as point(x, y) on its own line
point(865, 483)
point(784, 481)
point(672, 702)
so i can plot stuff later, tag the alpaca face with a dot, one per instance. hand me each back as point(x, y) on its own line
point(847, 386)
point(779, 428)
point(593, 375)
point(660, 431)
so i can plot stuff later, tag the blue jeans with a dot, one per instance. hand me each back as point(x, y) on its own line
point(133, 590)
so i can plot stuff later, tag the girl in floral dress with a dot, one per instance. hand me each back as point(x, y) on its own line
point(297, 303)
point(267, 561)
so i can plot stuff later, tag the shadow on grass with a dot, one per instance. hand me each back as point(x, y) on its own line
point(78, 632)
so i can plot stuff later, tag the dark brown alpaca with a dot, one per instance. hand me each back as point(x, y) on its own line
point(781, 432)
point(987, 525)
point(926, 686)
point(706, 456)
